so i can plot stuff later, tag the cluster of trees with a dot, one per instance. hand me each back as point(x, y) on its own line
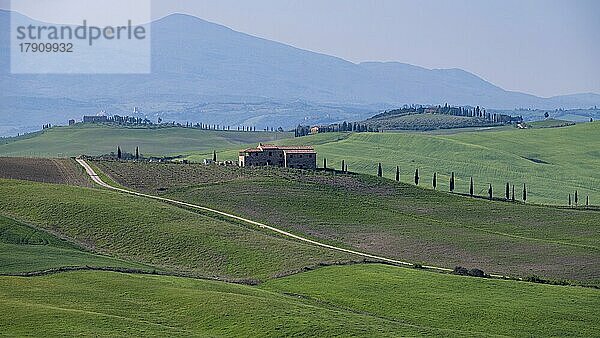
point(336, 127)
point(466, 111)
point(117, 119)
point(121, 155)
point(130, 120)
point(47, 126)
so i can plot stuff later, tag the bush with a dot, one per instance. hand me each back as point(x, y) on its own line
point(537, 279)
point(476, 273)
point(459, 270)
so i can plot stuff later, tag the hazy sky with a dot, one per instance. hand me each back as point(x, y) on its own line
point(543, 47)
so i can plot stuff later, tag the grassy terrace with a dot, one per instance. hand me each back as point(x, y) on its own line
point(153, 233)
point(383, 217)
point(363, 300)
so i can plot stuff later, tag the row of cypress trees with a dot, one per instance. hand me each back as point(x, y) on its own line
point(509, 193)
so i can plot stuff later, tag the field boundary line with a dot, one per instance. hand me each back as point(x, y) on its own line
point(90, 171)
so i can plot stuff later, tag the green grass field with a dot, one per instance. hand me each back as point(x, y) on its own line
point(97, 140)
point(462, 305)
point(383, 217)
point(359, 300)
point(25, 249)
point(148, 232)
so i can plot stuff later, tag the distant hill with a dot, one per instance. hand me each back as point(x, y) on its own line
point(437, 117)
point(196, 62)
point(426, 121)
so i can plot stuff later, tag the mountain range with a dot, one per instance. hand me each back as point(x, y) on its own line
point(196, 63)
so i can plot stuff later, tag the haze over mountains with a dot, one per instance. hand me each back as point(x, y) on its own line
point(207, 72)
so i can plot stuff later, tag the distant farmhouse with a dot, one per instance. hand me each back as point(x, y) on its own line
point(302, 157)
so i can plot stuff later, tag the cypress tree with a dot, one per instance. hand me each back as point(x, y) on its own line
point(524, 193)
point(324, 163)
point(434, 181)
point(397, 173)
point(507, 191)
point(513, 193)
point(379, 170)
point(471, 187)
point(587, 201)
point(214, 156)
point(119, 152)
point(452, 182)
point(569, 199)
point(576, 198)
point(490, 191)
point(137, 153)
point(343, 166)
point(417, 177)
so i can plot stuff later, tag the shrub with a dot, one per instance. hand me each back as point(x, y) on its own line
point(459, 270)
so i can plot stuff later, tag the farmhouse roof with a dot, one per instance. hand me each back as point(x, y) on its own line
point(288, 149)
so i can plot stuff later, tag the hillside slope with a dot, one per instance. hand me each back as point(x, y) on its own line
point(385, 218)
point(154, 233)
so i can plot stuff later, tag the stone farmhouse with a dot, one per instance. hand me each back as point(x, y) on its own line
point(301, 157)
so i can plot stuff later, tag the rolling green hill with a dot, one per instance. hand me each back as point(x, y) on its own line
point(552, 162)
point(383, 217)
point(359, 300)
point(153, 233)
point(101, 139)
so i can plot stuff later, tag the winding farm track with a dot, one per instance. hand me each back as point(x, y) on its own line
point(94, 176)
